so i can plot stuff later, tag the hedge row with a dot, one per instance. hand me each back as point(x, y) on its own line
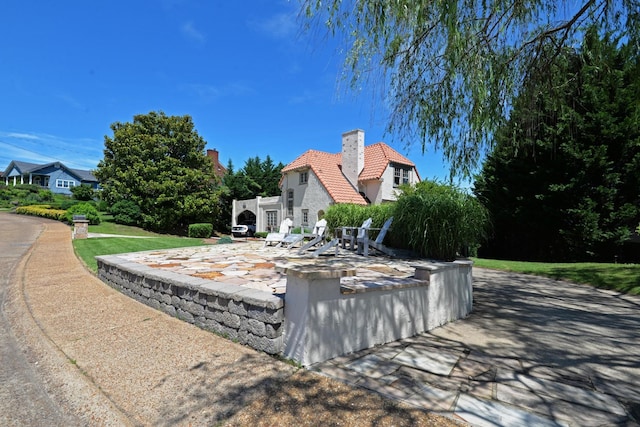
point(44, 211)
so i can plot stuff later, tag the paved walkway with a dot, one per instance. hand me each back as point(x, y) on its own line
point(534, 351)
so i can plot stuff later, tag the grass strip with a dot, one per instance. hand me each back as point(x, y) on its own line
point(624, 278)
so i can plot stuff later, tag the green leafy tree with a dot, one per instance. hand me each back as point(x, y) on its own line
point(158, 163)
point(448, 70)
point(126, 212)
point(569, 189)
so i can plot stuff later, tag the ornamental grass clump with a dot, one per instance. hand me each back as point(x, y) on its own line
point(438, 221)
point(350, 215)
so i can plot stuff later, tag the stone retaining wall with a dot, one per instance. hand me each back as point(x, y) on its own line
point(324, 317)
point(248, 316)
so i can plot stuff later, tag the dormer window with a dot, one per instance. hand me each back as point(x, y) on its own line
point(304, 177)
point(400, 176)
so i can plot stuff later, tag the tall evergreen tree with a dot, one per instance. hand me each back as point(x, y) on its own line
point(563, 181)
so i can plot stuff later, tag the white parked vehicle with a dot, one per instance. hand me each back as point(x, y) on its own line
point(243, 230)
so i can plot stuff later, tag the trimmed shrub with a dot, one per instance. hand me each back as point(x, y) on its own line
point(203, 230)
point(102, 206)
point(83, 192)
point(45, 195)
point(43, 211)
point(86, 209)
point(68, 203)
point(126, 212)
point(260, 234)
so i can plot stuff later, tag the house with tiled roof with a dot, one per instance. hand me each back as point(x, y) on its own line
point(315, 180)
point(53, 176)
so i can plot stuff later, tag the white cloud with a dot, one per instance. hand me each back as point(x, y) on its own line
point(80, 153)
point(280, 26)
point(191, 32)
point(19, 135)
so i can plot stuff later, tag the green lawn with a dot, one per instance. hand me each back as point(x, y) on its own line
point(623, 278)
point(87, 249)
point(109, 227)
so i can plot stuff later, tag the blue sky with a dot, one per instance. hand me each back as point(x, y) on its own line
point(254, 84)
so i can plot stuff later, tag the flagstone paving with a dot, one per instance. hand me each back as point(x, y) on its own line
point(263, 268)
point(534, 352)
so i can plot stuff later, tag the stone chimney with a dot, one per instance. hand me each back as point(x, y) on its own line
point(353, 155)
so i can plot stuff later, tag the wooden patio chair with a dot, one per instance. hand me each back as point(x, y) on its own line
point(317, 235)
point(364, 243)
point(285, 229)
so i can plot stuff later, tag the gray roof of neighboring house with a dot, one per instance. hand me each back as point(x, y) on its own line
point(26, 167)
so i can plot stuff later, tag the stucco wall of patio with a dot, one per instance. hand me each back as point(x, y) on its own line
point(327, 310)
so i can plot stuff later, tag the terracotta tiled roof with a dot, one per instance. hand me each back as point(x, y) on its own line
point(377, 158)
point(328, 168)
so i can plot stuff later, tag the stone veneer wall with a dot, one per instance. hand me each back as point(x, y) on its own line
point(249, 316)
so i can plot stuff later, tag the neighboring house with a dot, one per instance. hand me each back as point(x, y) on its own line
point(218, 169)
point(52, 176)
point(316, 180)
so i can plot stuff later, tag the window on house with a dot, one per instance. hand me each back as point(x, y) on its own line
point(305, 216)
point(290, 202)
point(272, 221)
point(64, 183)
point(400, 176)
point(304, 177)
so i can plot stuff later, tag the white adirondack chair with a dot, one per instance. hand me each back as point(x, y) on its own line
point(364, 243)
point(285, 229)
point(317, 235)
point(347, 239)
point(350, 235)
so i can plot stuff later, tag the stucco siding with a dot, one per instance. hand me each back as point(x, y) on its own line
point(311, 196)
point(373, 191)
point(387, 190)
